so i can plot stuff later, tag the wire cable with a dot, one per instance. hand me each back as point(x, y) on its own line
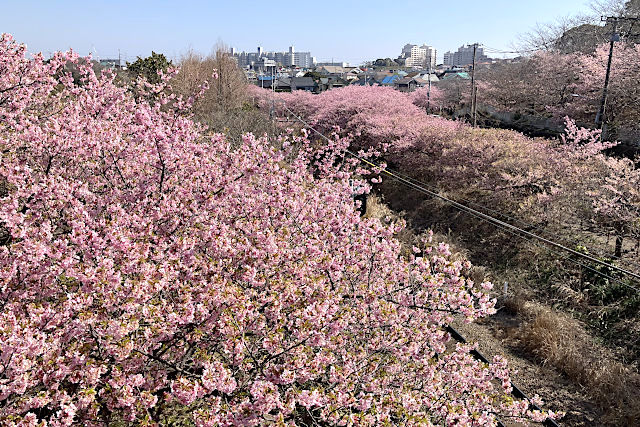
point(529, 226)
point(492, 220)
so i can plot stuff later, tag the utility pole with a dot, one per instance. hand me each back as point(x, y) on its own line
point(614, 38)
point(429, 89)
point(603, 101)
point(475, 104)
point(473, 85)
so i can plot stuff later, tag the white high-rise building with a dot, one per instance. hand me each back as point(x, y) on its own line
point(464, 56)
point(299, 59)
point(419, 56)
point(448, 58)
point(288, 59)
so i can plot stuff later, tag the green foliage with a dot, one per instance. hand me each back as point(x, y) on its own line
point(314, 75)
point(148, 67)
point(611, 293)
point(386, 62)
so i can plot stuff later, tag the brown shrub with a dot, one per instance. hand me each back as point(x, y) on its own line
point(225, 106)
point(557, 340)
point(513, 303)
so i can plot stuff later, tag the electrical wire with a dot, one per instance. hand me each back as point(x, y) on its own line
point(526, 235)
point(499, 224)
point(530, 227)
point(494, 50)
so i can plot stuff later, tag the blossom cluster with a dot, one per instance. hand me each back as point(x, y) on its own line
point(149, 271)
point(544, 182)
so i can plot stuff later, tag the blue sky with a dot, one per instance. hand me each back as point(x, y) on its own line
point(340, 30)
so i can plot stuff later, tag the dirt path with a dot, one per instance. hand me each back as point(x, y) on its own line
point(526, 320)
point(557, 392)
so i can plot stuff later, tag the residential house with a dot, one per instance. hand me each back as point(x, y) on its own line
point(457, 75)
point(303, 83)
point(331, 69)
point(365, 81)
point(289, 84)
point(390, 80)
point(409, 84)
point(353, 74)
point(331, 82)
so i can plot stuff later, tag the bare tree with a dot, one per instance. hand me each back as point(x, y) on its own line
point(227, 91)
point(546, 36)
point(224, 107)
point(608, 7)
point(230, 86)
point(582, 32)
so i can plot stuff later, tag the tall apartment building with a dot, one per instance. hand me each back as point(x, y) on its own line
point(298, 59)
point(260, 57)
point(418, 56)
point(464, 56)
point(448, 58)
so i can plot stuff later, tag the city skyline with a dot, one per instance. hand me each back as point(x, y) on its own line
point(354, 36)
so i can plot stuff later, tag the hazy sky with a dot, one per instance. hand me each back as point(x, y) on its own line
point(343, 30)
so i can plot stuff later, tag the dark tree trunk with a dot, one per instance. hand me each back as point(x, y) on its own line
point(362, 198)
point(618, 252)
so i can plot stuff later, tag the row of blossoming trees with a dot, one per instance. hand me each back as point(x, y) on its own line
point(150, 273)
point(550, 184)
point(554, 84)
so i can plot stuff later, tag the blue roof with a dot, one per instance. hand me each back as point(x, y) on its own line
point(390, 79)
point(265, 78)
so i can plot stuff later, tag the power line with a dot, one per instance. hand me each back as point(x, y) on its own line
point(512, 232)
point(469, 202)
point(525, 224)
point(492, 220)
point(530, 226)
point(494, 50)
point(501, 225)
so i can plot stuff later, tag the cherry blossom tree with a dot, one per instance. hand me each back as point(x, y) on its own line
point(153, 274)
point(616, 202)
point(548, 183)
point(431, 99)
point(553, 84)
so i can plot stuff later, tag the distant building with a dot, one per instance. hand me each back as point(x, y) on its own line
point(264, 64)
point(464, 56)
point(297, 83)
point(390, 80)
point(110, 63)
point(456, 74)
point(261, 59)
point(409, 84)
point(448, 58)
point(331, 69)
point(299, 59)
point(333, 64)
point(418, 56)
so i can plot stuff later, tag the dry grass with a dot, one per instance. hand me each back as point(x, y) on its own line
point(377, 209)
point(514, 304)
point(555, 339)
point(560, 341)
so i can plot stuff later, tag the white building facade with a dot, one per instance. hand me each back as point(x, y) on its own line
point(464, 56)
point(419, 56)
point(260, 58)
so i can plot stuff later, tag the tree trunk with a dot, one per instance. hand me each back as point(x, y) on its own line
point(618, 251)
